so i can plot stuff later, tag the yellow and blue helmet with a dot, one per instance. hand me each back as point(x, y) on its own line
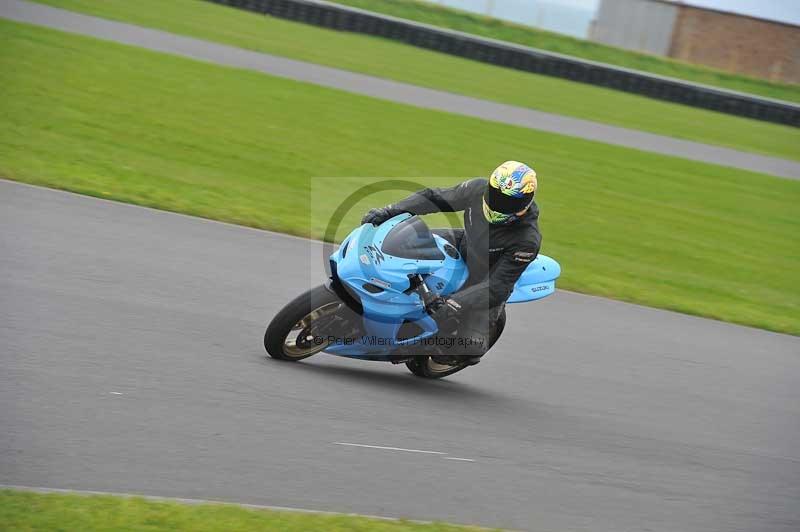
point(510, 191)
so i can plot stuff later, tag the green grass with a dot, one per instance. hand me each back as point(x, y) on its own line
point(528, 36)
point(381, 57)
point(25, 511)
point(158, 130)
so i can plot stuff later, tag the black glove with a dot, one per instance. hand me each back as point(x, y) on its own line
point(378, 216)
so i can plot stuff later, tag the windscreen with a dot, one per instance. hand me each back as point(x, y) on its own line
point(411, 239)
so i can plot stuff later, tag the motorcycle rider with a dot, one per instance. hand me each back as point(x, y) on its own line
point(499, 239)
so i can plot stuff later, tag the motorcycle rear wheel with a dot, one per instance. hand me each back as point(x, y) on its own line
point(426, 367)
point(291, 335)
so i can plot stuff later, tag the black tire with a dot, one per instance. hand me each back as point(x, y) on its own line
point(423, 366)
point(291, 316)
point(415, 365)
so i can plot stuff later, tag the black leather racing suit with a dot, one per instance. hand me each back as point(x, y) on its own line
point(496, 255)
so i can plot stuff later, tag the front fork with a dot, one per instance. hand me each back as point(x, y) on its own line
point(425, 294)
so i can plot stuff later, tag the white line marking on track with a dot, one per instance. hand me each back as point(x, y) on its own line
point(402, 449)
point(386, 448)
point(115, 393)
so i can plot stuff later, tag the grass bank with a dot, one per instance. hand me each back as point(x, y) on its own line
point(20, 510)
point(123, 123)
point(388, 59)
point(501, 30)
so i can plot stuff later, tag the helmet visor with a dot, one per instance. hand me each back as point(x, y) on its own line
point(503, 203)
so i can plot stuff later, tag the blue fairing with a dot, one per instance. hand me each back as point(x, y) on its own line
point(537, 281)
point(379, 280)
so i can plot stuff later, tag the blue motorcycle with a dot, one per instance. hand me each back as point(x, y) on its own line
point(373, 307)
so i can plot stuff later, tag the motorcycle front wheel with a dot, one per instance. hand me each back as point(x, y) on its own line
point(302, 327)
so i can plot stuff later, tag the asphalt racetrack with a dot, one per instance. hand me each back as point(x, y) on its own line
point(132, 362)
point(390, 90)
